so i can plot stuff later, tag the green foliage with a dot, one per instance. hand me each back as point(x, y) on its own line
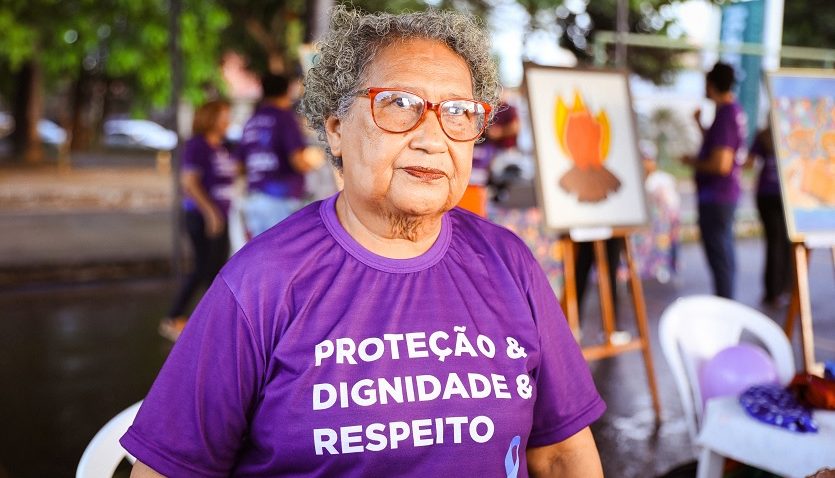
point(391, 6)
point(645, 16)
point(808, 23)
point(139, 47)
point(124, 39)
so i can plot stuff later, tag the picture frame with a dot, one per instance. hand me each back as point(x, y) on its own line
point(589, 169)
point(802, 113)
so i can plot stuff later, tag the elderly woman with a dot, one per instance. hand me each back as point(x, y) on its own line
point(380, 332)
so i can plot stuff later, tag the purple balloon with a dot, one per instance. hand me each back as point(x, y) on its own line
point(734, 369)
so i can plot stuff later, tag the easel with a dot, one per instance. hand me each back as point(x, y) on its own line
point(801, 304)
point(572, 312)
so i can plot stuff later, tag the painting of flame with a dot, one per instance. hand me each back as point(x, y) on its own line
point(588, 169)
point(585, 140)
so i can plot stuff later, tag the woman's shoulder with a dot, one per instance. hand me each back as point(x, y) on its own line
point(274, 254)
point(487, 237)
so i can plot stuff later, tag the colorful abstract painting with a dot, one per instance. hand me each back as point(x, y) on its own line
point(803, 128)
point(588, 167)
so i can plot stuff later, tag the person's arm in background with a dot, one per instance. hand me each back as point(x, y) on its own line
point(303, 158)
point(756, 150)
point(697, 117)
point(723, 141)
point(720, 162)
point(190, 181)
point(575, 456)
point(306, 159)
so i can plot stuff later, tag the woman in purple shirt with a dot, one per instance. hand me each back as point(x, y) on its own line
point(382, 331)
point(207, 173)
point(777, 274)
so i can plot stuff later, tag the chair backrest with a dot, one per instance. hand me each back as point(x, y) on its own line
point(104, 453)
point(694, 329)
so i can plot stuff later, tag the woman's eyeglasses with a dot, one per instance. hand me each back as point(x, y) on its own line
point(399, 111)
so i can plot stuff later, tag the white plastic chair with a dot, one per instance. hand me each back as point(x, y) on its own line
point(694, 329)
point(104, 453)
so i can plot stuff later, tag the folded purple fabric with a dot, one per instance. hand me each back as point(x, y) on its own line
point(775, 405)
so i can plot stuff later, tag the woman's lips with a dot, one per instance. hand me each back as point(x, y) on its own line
point(426, 174)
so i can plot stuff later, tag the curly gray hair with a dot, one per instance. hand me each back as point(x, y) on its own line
point(354, 39)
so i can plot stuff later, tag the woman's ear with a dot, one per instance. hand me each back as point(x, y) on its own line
point(333, 130)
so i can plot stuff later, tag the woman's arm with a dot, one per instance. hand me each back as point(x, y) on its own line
point(141, 470)
point(190, 180)
point(575, 456)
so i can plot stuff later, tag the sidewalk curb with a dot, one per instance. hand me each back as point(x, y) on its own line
point(18, 277)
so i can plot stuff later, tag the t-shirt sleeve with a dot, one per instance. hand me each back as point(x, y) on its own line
point(195, 157)
point(726, 130)
point(195, 417)
point(291, 138)
point(567, 400)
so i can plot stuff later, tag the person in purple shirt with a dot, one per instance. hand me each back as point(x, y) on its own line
point(272, 151)
point(777, 273)
point(382, 331)
point(717, 175)
point(207, 173)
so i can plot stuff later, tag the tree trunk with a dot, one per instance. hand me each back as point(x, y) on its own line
point(268, 39)
point(79, 138)
point(26, 109)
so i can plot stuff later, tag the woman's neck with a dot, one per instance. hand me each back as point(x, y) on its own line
point(724, 98)
point(390, 235)
point(213, 138)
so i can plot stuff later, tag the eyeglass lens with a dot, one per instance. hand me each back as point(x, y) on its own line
point(399, 111)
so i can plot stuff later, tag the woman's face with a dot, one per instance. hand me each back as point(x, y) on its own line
point(222, 122)
point(417, 173)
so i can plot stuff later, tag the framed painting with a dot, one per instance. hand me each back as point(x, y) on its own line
point(589, 171)
point(803, 129)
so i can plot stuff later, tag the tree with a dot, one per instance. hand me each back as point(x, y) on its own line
point(34, 46)
point(268, 33)
point(53, 42)
point(576, 23)
point(808, 23)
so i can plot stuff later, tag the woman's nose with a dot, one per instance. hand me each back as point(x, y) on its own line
point(429, 135)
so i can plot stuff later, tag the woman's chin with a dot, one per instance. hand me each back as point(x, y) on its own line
point(422, 203)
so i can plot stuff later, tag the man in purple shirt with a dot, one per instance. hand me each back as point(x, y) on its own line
point(717, 175)
point(272, 151)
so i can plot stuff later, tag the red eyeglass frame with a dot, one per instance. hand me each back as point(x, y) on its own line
point(372, 93)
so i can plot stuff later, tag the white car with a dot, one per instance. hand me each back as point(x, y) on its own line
point(128, 133)
point(51, 133)
point(48, 131)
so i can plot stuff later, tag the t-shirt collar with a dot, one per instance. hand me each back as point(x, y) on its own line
point(327, 210)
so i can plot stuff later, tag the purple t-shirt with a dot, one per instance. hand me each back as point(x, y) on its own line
point(768, 183)
point(269, 139)
point(216, 168)
point(483, 155)
point(728, 130)
point(505, 115)
point(311, 356)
